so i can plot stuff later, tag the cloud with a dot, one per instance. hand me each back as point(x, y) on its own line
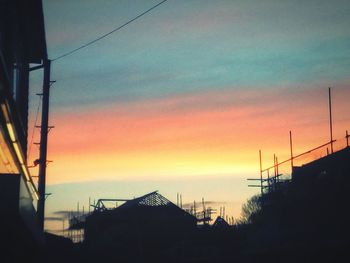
point(65, 214)
point(193, 133)
point(52, 218)
point(198, 117)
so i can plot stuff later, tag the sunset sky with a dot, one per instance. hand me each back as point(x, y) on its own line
point(182, 99)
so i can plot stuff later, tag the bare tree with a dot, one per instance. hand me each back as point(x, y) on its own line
point(250, 210)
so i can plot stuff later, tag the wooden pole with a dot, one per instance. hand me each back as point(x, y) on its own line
point(330, 118)
point(291, 152)
point(261, 179)
point(89, 204)
point(275, 169)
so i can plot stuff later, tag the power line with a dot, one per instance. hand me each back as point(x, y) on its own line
point(109, 33)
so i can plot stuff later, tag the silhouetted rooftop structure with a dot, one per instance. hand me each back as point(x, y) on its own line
point(147, 222)
point(221, 223)
point(151, 210)
point(336, 164)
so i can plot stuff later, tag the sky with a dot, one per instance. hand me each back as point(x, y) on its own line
point(182, 99)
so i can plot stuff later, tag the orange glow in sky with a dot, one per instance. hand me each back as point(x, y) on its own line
point(180, 137)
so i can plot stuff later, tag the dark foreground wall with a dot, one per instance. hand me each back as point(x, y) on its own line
point(19, 236)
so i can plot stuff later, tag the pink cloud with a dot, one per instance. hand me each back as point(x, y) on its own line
point(243, 119)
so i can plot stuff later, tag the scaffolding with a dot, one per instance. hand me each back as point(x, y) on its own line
point(275, 176)
point(280, 173)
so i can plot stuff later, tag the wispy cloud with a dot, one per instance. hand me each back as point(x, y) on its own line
point(196, 117)
point(65, 214)
point(52, 218)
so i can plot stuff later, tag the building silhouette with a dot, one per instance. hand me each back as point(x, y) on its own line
point(22, 45)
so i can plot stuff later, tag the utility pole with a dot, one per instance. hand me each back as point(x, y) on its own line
point(43, 143)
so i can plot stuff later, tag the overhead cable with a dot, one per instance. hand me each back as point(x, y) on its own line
point(109, 33)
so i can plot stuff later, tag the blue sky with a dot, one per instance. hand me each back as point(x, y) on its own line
point(185, 46)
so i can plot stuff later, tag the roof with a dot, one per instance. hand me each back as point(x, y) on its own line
point(151, 203)
point(220, 223)
point(151, 199)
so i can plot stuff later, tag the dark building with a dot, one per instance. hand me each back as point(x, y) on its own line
point(306, 218)
point(336, 164)
point(22, 43)
point(139, 228)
